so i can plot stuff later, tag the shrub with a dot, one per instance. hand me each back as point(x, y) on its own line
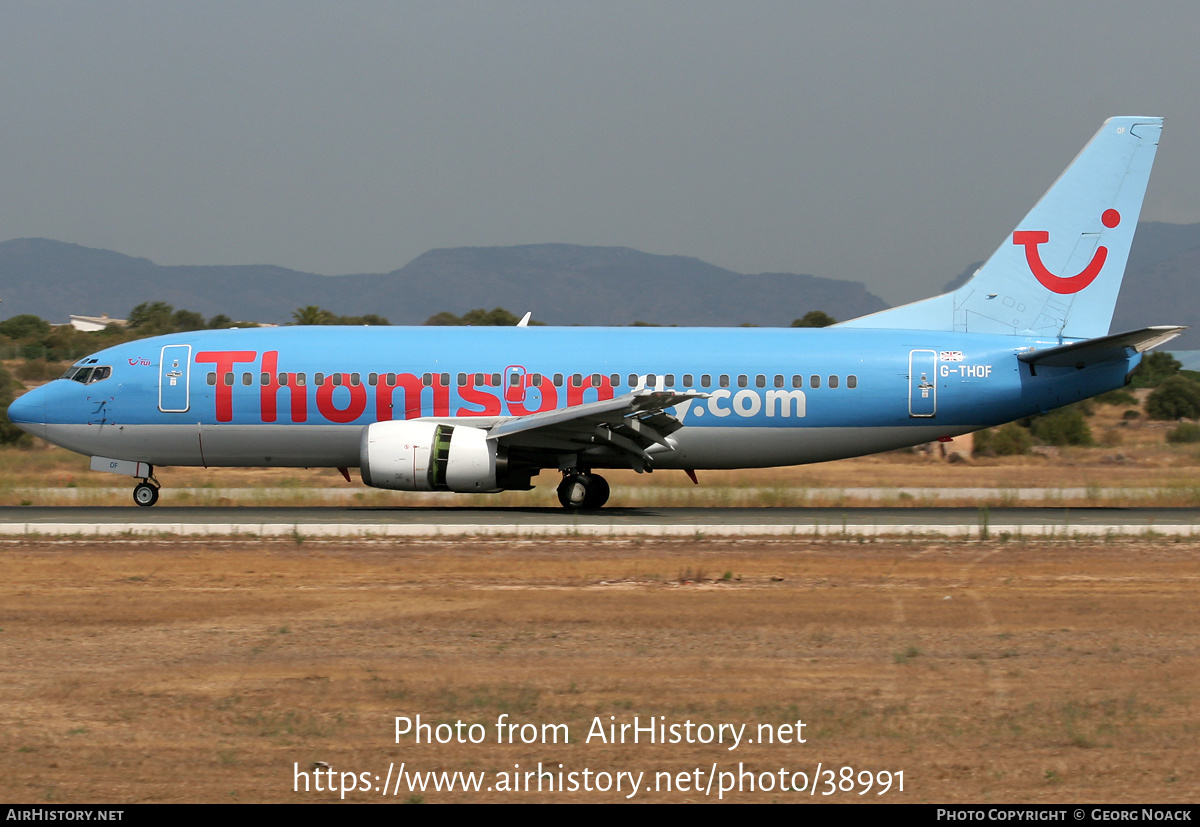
point(1066, 426)
point(1184, 432)
point(1176, 398)
point(1154, 369)
point(10, 434)
point(1007, 440)
point(24, 326)
point(1118, 397)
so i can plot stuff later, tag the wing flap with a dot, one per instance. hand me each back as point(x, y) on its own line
point(636, 424)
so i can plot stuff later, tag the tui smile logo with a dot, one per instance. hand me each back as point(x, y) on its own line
point(1063, 285)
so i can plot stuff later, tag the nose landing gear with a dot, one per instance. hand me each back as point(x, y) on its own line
point(582, 490)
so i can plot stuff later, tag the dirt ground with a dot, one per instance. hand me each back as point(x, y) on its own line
point(211, 671)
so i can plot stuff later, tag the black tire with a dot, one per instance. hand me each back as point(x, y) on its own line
point(145, 494)
point(597, 493)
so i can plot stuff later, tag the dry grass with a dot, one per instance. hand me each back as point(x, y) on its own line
point(202, 670)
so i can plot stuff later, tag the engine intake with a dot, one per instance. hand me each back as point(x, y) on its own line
point(428, 456)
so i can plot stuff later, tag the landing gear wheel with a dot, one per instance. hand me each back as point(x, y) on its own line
point(145, 494)
point(597, 493)
point(580, 491)
point(572, 491)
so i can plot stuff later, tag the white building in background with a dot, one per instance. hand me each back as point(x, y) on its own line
point(90, 324)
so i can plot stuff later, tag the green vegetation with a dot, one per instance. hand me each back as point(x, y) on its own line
point(1176, 398)
point(1156, 368)
point(1005, 441)
point(1065, 426)
point(815, 318)
point(10, 434)
point(313, 315)
point(1184, 432)
point(1118, 397)
point(496, 317)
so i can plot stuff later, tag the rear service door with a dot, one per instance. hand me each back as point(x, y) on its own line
point(922, 384)
point(173, 378)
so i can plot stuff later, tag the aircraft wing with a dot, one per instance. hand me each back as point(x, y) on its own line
point(632, 424)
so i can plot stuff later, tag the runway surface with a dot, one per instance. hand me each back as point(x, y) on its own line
point(615, 522)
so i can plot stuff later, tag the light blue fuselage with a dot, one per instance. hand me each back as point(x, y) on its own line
point(776, 396)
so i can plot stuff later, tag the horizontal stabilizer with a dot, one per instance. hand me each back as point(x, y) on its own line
point(1102, 349)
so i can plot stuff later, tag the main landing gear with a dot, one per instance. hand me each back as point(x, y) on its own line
point(146, 491)
point(582, 490)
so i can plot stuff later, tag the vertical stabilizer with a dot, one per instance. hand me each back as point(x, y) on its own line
point(1057, 275)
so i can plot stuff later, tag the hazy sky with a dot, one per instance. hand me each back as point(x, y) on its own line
point(887, 142)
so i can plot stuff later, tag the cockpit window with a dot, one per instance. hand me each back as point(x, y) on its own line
point(88, 376)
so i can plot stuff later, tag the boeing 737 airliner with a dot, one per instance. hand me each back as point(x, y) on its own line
point(485, 409)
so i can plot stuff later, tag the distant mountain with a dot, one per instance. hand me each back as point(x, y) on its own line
point(560, 283)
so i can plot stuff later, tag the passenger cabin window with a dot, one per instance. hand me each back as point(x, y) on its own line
point(852, 381)
point(833, 381)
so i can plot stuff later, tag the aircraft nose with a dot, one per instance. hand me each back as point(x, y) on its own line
point(28, 412)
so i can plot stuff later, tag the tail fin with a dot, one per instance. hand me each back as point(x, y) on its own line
point(1059, 272)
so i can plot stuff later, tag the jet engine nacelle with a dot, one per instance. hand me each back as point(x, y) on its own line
point(428, 456)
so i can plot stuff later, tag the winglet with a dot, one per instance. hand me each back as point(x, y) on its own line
point(525, 319)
